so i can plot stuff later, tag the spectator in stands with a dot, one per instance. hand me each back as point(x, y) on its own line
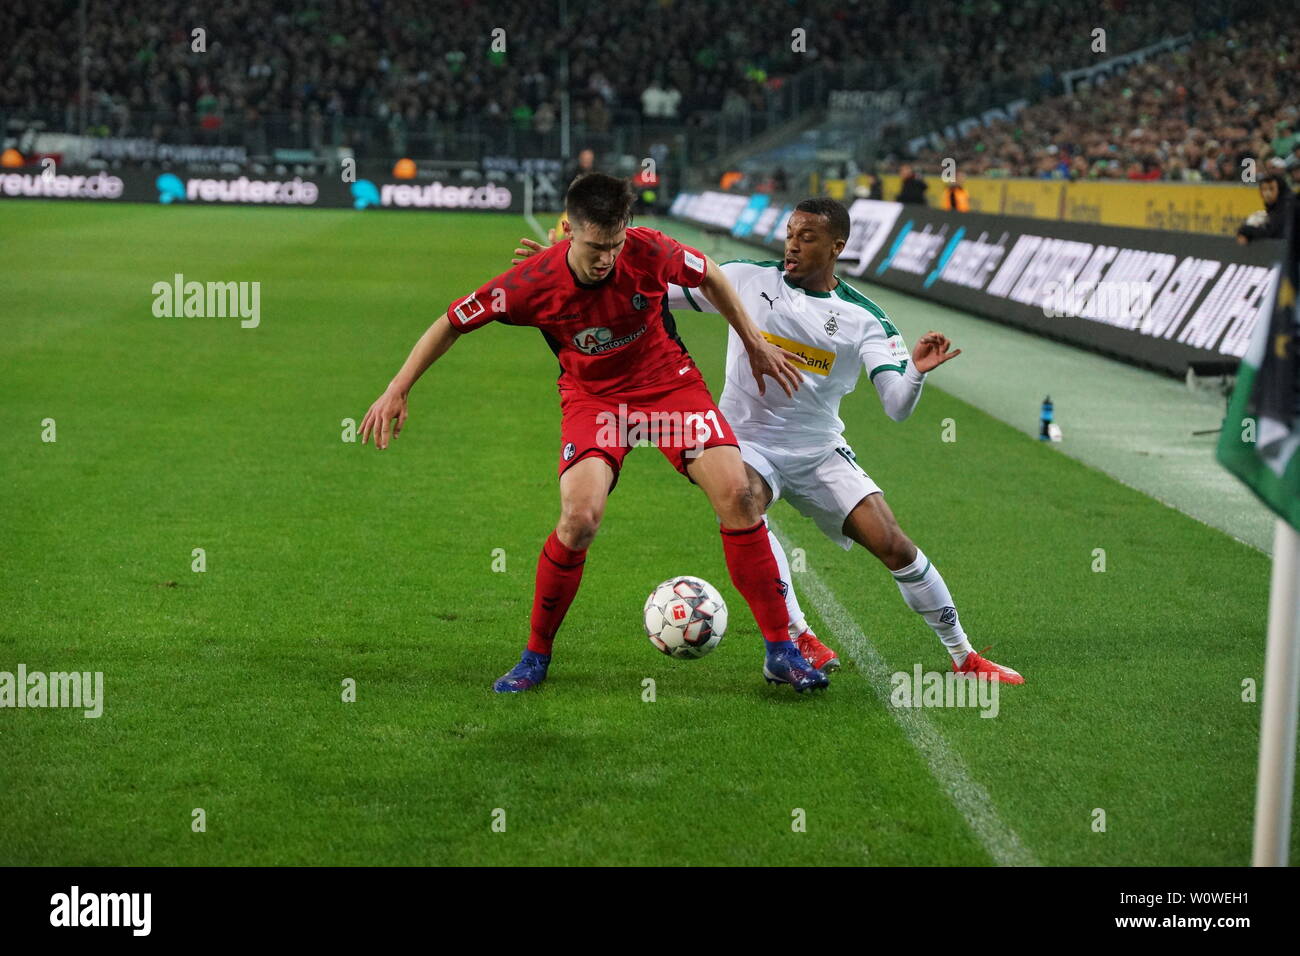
point(597, 116)
point(913, 187)
point(653, 103)
point(1234, 94)
point(371, 60)
point(586, 163)
point(544, 118)
point(1279, 205)
point(1293, 161)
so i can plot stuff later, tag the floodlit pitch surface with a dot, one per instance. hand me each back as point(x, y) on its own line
point(326, 561)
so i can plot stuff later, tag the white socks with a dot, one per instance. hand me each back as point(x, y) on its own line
point(924, 591)
point(797, 623)
point(922, 588)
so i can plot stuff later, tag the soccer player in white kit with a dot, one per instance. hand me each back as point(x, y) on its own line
point(794, 447)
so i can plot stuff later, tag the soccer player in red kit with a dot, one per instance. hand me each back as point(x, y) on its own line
point(599, 301)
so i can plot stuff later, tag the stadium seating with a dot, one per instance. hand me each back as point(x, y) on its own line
point(1190, 115)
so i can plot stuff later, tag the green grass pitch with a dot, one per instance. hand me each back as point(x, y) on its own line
point(328, 561)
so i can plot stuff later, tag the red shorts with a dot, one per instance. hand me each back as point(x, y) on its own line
point(681, 420)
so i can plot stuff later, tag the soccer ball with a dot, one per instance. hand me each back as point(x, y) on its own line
point(685, 617)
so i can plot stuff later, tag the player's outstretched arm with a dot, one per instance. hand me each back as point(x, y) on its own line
point(764, 357)
point(899, 393)
point(388, 413)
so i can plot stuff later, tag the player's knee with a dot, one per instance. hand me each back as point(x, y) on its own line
point(579, 524)
point(739, 503)
point(896, 549)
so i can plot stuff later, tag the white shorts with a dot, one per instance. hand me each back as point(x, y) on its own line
point(824, 485)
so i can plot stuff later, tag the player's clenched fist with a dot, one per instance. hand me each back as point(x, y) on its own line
point(385, 418)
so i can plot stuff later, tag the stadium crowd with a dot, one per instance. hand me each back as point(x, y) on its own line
point(421, 62)
point(1191, 115)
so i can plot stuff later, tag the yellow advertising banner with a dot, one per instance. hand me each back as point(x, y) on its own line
point(1209, 208)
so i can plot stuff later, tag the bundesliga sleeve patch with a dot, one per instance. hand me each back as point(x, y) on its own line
point(897, 350)
point(693, 261)
point(470, 309)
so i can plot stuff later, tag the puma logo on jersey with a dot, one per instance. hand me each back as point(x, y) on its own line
point(771, 303)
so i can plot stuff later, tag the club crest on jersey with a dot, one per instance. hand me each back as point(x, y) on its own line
point(831, 325)
point(639, 301)
point(569, 451)
point(598, 339)
point(949, 616)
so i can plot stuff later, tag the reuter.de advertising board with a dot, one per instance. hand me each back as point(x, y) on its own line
point(176, 189)
point(1156, 298)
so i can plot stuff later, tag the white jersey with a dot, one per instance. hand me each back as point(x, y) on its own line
point(837, 335)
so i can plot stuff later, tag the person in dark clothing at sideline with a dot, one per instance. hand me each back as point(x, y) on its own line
point(914, 186)
point(1270, 223)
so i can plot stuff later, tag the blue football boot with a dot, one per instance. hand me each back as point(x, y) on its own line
point(527, 674)
point(785, 665)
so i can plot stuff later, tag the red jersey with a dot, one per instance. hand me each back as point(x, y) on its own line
point(612, 336)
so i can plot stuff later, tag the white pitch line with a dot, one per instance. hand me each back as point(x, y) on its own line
point(971, 800)
point(535, 225)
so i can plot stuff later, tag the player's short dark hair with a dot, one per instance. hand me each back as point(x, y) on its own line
point(600, 200)
point(837, 217)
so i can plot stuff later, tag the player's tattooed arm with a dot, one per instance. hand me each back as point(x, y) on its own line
point(388, 413)
point(764, 357)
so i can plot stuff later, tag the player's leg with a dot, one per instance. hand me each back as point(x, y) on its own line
point(872, 524)
point(762, 492)
point(588, 468)
point(720, 473)
point(584, 489)
point(765, 486)
point(762, 475)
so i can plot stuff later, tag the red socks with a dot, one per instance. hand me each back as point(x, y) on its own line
point(755, 574)
point(559, 572)
point(750, 562)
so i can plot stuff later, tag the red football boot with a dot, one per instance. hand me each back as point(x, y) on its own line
point(816, 653)
point(982, 668)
